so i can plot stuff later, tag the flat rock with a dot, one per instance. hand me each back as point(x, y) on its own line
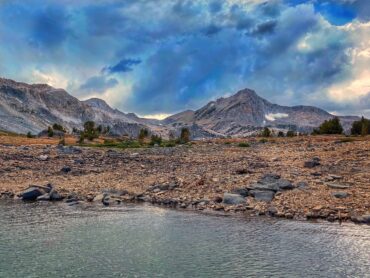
point(312, 163)
point(233, 199)
point(340, 194)
point(262, 195)
point(338, 185)
point(240, 191)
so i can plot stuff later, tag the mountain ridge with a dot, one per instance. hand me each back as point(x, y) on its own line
point(33, 107)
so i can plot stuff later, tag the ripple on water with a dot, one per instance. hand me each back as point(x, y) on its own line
point(142, 241)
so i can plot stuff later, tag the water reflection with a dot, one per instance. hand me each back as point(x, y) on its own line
point(140, 241)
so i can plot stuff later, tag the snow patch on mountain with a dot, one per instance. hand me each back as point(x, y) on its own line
point(274, 116)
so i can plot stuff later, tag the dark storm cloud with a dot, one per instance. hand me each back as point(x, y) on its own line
point(190, 51)
point(125, 65)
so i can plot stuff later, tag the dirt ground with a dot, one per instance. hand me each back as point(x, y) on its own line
point(197, 175)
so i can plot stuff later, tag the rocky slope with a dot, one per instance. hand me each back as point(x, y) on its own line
point(245, 112)
point(25, 108)
point(32, 108)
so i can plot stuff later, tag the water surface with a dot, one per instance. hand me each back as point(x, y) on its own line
point(43, 240)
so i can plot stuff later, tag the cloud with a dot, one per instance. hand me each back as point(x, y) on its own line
point(98, 84)
point(289, 51)
point(265, 27)
point(125, 65)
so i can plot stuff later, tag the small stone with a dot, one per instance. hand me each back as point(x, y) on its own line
point(217, 199)
point(335, 177)
point(272, 211)
point(302, 185)
point(340, 194)
point(43, 157)
point(288, 215)
point(317, 208)
point(312, 163)
point(338, 185)
point(66, 169)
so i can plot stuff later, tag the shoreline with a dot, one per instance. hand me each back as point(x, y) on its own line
point(308, 178)
point(239, 215)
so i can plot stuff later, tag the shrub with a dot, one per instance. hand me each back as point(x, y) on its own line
point(169, 144)
point(281, 134)
point(144, 133)
point(82, 138)
point(184, 136)
point(90, 132)
point(244, 145)
point(50, 131)
point(266, 132)
point(291, 133)
point(62, 141)
point(332, 126)
point(29, 135)
point(58, 127)
point(155, 140)
point(361, 127)
point(263, 141)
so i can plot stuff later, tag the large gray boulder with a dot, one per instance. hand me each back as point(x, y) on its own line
point(272, 182)
point(233, 199)
point(31, 193)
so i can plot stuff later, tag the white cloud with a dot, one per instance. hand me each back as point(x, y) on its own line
point(52, 78)
point(160, 116)
point(358, 83)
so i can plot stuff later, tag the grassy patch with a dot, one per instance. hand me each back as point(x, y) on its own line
point(244, 145)
point(346, 140)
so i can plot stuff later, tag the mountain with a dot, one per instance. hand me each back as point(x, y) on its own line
point(33, 108)
point(245, 112)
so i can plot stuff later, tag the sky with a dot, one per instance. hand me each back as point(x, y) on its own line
point(159, 57)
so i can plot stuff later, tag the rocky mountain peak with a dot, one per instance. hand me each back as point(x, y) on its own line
point(98, 103)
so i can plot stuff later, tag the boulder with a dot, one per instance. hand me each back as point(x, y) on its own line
point(272, 183)
point(366, 218)
point(241, 191)
point(263, 195)
point(31, 193)
point(233, 199)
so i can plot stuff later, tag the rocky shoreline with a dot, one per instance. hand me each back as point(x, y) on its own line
point(305, 178)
